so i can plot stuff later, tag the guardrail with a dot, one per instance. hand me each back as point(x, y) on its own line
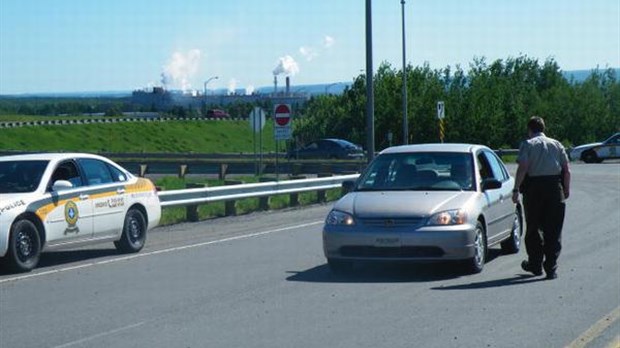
point(192, 197)
point(98, 120)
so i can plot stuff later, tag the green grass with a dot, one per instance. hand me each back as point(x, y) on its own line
point(168, 137)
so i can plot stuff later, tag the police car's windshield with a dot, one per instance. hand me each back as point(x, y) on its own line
point(21, 176)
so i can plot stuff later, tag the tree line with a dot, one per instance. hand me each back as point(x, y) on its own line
point(490, 104)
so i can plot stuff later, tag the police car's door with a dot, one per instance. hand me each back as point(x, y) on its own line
point(69, 211)
point(108, 197)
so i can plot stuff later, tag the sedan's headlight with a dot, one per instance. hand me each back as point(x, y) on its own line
point(336, 217)
point(450, 217)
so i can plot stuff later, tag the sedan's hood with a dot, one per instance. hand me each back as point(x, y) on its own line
point(402, 203)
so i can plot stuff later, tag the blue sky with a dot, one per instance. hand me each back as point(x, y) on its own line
point(112, 45)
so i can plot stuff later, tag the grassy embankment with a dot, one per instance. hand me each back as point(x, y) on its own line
point(149, 137)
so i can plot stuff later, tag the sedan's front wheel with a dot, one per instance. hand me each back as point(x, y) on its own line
point(513, 243)
point(24, 246)
point(476, 263)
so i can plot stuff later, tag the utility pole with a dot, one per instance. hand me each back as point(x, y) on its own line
point(370, 98)
point(405, 122)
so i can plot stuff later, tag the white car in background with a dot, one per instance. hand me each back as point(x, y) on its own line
point(597, 152)
point(50, 201)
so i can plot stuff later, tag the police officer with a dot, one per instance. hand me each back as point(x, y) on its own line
point(543, 177)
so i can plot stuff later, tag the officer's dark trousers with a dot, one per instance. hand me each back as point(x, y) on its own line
point(543, 200)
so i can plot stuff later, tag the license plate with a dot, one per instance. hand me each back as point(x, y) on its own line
point(387, 242)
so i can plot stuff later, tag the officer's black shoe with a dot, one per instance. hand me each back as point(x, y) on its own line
point(552, 275)
point(525, 265)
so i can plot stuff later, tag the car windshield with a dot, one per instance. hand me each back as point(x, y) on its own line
point(21, 176)
point(429, 171)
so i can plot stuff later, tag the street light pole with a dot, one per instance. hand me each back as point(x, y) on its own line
point(370, 96)
point(209, 80)
point(405, 122)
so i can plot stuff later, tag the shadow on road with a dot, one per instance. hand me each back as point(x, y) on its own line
point(386, 272)
point(58, 258)
point(516, 280)
point(383, 272)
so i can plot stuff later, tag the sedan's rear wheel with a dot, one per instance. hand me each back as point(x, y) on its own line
point(476, 263)
point(24, 246)
point(513, 244)
point(134, 232)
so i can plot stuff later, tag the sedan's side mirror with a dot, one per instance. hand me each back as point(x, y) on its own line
point(60, 185)
point(348, 186)
point(490, 184)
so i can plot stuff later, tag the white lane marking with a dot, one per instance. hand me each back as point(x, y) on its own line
point(90, 338)
point(156, 252)
point(596, 330)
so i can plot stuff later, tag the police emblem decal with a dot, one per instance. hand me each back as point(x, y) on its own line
point(71, 216)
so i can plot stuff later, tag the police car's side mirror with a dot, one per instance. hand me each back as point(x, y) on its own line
point(60, 185)
point(348, 186)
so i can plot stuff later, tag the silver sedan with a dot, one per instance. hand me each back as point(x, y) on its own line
point(429, 202)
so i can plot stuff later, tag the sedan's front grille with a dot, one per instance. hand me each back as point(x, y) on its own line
point(391, 222)
point(396, 252)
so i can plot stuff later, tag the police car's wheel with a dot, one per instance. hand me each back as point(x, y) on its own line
point(513, 244)
point(476, 263)
point(24, 246)
point(134, 232)
point(590, 157)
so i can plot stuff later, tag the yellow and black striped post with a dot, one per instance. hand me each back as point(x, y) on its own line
point(441, 113)
point(441, 130)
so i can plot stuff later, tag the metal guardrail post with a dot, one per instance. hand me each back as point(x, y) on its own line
point(223, 171)
point(230, 208)
point(182, 171)
point(191, 211)
point(321, 196)
point(263, 202)
point(143, 170)
point(294, 197)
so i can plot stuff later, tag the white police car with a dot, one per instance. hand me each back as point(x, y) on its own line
point(597, 152)
point(56, 200)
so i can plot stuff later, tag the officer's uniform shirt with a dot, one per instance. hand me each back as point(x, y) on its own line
point(545, 156)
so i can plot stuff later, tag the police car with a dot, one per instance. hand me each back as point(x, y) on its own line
point(50, 201)
point(597, 152)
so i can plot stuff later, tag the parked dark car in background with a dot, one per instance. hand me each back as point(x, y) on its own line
point(217, 113)
point(327, 149)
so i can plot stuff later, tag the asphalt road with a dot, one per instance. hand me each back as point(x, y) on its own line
point(261, 280)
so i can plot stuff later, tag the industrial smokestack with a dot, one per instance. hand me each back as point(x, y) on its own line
point(288, 85)
point(275, 84)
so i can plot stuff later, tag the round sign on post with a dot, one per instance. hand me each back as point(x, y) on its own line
point(282, 116)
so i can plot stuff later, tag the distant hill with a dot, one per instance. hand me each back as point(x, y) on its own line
point(576, 76)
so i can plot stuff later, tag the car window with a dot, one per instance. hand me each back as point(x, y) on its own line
point(117, 174)
point(498, 169)
point(66, 171)
point(484, 168)
point(312, 146)
point(97, 172)
point(21, 176)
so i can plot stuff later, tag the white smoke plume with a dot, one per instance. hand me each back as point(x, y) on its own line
point(287, 66)
point(249, 90)
point(232, 86)
point(328, 41)
point(180, 69)
point(308, 52)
